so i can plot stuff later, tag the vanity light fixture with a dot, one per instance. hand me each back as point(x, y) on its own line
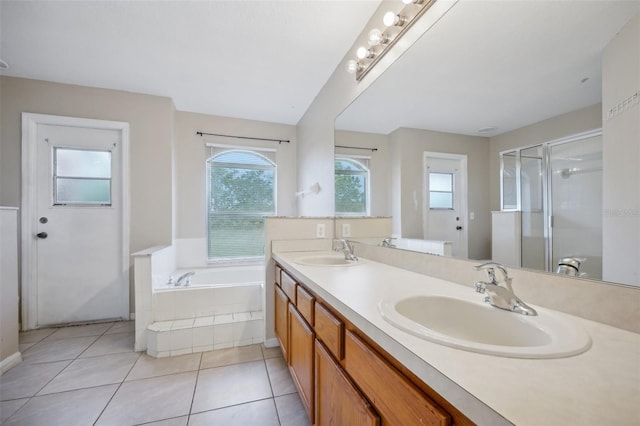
point(380, 41)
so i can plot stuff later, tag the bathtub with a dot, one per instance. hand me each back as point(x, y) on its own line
point(217, 277)
point(221, 308)
point(213, 291)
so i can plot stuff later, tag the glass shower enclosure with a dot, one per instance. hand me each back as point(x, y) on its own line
point(556, 187)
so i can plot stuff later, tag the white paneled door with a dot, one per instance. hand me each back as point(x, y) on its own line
point(445, 200)
point(75, 220)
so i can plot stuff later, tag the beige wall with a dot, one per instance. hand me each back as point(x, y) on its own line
point(574, 122)
point(409, 146)
point(191, 154)
point(151, 137)
point(379, 165)
point(621, 157)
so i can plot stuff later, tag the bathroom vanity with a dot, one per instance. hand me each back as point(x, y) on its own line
point(351, 366)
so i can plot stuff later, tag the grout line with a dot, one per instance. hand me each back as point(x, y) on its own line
point(195, 388)
point(117, 389)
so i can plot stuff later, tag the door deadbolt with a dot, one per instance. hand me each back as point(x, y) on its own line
point(42, 235)
point(44, 219)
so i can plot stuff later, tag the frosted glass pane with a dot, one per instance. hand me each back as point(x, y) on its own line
point(83, 163)
point(441, 182)
point(83, 191)
point(441, 200)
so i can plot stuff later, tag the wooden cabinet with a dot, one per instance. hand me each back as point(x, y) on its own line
point(301, 338)
point(304, 303)
point(338, 401)
point(281, 311)
point(388, 389)
point(342, 377)
point(329, 330)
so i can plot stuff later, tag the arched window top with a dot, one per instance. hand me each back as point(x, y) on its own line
point(241, 157)
point(349, 164)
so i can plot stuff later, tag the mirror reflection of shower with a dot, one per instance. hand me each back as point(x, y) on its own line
point(554, 190)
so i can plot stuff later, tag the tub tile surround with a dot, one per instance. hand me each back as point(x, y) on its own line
point(173, 322)
point(599, 386)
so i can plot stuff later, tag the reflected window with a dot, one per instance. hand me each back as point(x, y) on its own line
point(441, 191)
point(81, 177)
point(352, 187)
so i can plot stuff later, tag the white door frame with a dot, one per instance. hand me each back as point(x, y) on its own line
point(464, 209)
point(30, 124)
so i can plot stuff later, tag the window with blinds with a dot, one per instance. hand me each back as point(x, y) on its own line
point(352, 186)
point(240, 193)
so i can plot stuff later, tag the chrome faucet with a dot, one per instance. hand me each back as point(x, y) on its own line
point(186, 278)
point(500, 293)
point(347, 249)
point(387, 242)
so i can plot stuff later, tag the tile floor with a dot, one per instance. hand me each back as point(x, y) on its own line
point(90, 375)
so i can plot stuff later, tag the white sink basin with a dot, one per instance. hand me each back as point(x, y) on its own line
point(480, 327)
point(326, 260)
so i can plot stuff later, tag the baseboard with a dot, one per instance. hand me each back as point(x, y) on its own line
point(271, 343)
point(10, 362)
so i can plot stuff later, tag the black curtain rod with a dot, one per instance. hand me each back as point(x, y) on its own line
point(244, 137)
point(357, 147)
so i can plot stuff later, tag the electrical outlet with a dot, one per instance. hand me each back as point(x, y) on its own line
point(320, 230)
point(346, 230)
point(472, 216)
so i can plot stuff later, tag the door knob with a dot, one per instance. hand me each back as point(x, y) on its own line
point(42, 235)
point(458, 228)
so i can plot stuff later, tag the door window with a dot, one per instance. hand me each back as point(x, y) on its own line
point(441, 191)
point(81, 177)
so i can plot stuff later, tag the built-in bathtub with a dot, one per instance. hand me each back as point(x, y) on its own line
point(219, 308)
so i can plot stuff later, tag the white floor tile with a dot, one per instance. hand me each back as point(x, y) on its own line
point(80, 407)
point(230, 385)
point(261, 413)
point(147, 400)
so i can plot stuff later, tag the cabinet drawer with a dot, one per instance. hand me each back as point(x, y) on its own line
point(278, 271)
point(304, 302)
point(288, 285)
point(388, 389)
point(329, 330)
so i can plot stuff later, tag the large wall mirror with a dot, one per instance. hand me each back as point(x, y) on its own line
point(489, 78)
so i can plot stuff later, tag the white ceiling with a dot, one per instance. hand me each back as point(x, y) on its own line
point(504, 64)
point(263, 60)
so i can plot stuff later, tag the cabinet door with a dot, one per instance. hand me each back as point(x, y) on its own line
point(301, 339)
point(338, 402)
point(282, 320)
point(398, 401)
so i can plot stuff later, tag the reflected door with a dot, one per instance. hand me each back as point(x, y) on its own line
point(445, 202)
point(576, 203)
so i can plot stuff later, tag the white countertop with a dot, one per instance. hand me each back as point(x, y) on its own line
point(599, 386)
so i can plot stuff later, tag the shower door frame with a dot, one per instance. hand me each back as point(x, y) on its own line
point(547, 188)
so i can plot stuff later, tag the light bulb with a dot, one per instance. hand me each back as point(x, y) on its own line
point(363, 52)
point(390, 19)
point(375, 37)
point(352, 66)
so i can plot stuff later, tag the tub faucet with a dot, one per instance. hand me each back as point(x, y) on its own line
point(347, 249)
point(500, 292)
point(186, 278)
point(387, 242)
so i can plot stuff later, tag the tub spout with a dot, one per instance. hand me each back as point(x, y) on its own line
point(184, 279)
